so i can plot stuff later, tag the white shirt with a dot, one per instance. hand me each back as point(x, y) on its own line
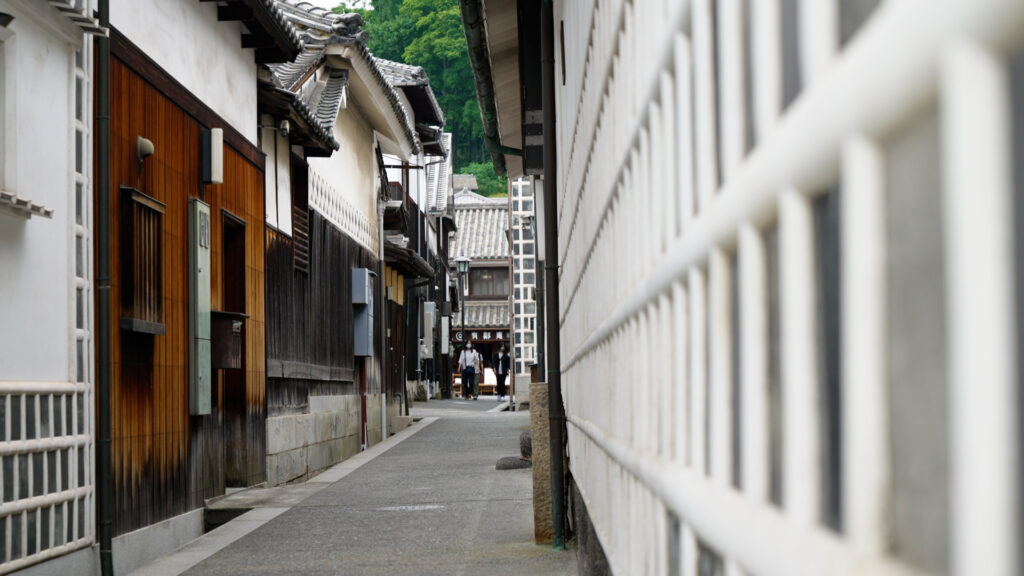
point(500, 368)
point(470, 358)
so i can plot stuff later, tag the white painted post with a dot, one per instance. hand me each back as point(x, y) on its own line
point(754, 342)
point(684, 159)
point(819, 37)
point(976, 116)
point(801, 488)
point(698, 368)
point(731, 56)
point(767, 65)
point(720, 370)
point(681, 379)
point(706, 106)
point(865, 431)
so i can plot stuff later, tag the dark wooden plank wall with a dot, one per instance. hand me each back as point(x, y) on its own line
point(310, 318)
point(166, 462)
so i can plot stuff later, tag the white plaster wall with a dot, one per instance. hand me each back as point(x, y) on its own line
point(351, 170)
point(206, 56)
point(35, 254)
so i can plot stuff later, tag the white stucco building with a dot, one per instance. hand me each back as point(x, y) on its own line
point(790, 277)
point(46, 296)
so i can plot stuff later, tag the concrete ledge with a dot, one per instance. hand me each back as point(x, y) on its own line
point(142, 546)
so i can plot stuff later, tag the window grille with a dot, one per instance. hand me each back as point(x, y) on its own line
point(141, 262)
point(300, 238)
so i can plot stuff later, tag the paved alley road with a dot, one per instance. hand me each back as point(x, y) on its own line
point(432, 504)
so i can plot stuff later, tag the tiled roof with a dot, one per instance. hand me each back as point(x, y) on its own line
point(439, 182)
point(464, 197)
point(401, 74)
point(317, 107)
point(283, 28)
point(482, 232)
point(289, 74)
point(326, 98)
point(414, 78)
point(484, 315)
point(320, 28)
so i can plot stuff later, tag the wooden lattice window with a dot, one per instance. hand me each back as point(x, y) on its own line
point(141, 263)
point(300, 238)
point(300, 215)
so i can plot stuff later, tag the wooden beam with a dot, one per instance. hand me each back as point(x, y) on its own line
point(233, 12)
point(270, 54)
point(256, 41)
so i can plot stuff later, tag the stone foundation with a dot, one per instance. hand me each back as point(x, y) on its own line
point(299, 445)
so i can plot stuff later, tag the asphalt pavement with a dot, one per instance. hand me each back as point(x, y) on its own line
point(427, 501)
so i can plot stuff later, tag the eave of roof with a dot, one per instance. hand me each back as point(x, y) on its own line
point(273, 36)
point(308, 131)
point(325, 29)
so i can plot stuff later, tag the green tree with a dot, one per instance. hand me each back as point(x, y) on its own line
point(488, 183)
point(429, 33)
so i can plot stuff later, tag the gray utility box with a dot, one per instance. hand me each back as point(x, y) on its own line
point(428, 330)
point(200, 369)
point(362, 304)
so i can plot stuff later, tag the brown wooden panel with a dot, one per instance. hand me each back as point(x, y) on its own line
point(165, 461)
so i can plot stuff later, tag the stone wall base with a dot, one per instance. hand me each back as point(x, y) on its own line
point(590, 556)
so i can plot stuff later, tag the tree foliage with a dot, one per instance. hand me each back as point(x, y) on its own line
point(488, 183)
point(429, 33)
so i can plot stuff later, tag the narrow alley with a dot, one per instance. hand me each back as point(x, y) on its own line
point(447, 510)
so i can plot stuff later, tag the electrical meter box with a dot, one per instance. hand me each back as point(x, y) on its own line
point(445, 334)
point(362, 286)
point(362, 309)
point(199, 364)
point(429, 310)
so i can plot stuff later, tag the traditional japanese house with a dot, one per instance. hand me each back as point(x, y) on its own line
point(482, 236)
point(186, 206)
point(440, 211)
point(47, 431)
point(410, 236)
point(326, 121)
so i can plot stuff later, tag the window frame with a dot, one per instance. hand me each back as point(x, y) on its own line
point(474, 283)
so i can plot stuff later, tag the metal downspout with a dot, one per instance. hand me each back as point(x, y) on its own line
point(556, 411)
point(104, 498)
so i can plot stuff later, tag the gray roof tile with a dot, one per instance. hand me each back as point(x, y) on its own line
point(289, 74)
point(484, 315)
point(482, 232)
point(466, 197)
point(439, 182)
point(319, 28)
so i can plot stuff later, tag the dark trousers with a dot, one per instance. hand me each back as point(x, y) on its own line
point(468, 383)
point(501, 383)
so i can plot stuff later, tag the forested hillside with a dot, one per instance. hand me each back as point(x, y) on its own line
point(429, 33)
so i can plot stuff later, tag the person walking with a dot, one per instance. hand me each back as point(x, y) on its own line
point(502, 364)
point(469, 363)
